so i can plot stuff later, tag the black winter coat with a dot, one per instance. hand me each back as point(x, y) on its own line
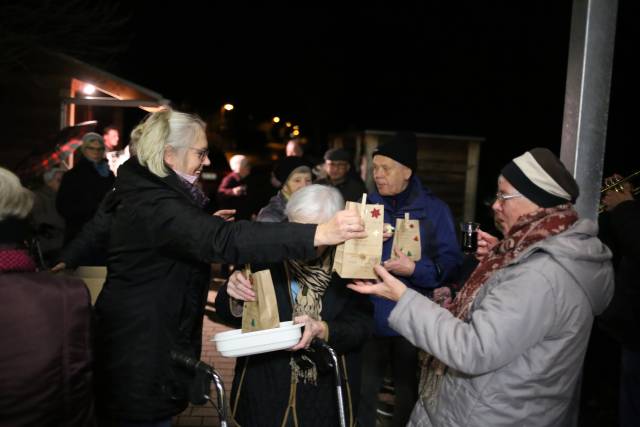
point(89, 246)
point(260, 395)
point(80, 194)
point(622, 316)
point(153, 300)
point(351, 187)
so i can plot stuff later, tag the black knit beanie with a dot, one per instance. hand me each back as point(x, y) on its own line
point(402, 148)
point(288, 165)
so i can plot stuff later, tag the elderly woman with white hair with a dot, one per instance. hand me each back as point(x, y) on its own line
point(286, 388)
point(161, 245)
point(45, 358)
point(232, 191)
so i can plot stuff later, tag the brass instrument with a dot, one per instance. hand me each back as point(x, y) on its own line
point(616, 185)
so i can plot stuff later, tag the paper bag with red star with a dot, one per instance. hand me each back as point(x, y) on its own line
point(355, 258)
point(406, 238)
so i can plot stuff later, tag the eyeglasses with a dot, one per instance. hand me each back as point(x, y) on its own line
point(502, 197)
point(202, 154)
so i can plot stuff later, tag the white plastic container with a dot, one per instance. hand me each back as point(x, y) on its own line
point(235, 344)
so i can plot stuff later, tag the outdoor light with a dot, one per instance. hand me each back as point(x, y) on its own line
point(89, 89)
point(288, 124)
point(296, 127)
point(228, 107)
point(276, 119)
point(296, 132)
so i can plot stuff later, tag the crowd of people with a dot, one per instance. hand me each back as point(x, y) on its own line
point(504, 348)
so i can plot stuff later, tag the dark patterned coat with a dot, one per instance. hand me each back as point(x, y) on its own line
point(262, 383)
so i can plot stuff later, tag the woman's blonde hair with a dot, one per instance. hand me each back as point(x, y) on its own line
point(163, 129)
point(15, 200)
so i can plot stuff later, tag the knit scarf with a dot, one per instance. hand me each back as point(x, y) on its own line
point(14, 260)
point(196, 194)
point(102, 168)
point(529, 229)
point(313, 278)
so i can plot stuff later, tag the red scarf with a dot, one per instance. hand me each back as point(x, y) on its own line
point(529, 229)
point(16, 260)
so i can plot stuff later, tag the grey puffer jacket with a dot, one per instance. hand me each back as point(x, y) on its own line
point(517, 361)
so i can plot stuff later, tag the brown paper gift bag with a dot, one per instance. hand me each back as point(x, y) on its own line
point(355, 258)
point(407, 238)
point(263, 312)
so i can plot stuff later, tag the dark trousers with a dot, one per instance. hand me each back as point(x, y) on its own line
point(630, 389)
point(158, 423)
point(378, 353)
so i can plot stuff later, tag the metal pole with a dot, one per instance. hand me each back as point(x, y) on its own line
point(584, 128)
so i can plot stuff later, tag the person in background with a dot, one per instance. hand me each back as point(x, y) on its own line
point(400, 191)
point(287, 388)
point(45, 355)
point(89, 247)
point(293, 148)
point(510, 348)
point(48, 223)
point(83, 187)
point(115, 157)
point(337, 163)
point(232, 192)
point(622, 318)
point(161, 246)
point(111, 136)
point(292, 174)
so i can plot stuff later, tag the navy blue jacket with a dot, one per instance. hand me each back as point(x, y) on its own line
point(441, 254)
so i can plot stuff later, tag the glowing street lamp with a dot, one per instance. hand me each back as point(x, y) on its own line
point(223, 119)
point(89, 89)
point(276, 119)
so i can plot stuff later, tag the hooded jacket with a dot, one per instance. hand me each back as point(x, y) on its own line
point(517, 360)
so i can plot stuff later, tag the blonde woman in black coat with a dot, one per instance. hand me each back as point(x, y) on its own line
point(161, 245)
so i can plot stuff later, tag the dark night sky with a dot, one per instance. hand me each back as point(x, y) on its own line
point(489, 70)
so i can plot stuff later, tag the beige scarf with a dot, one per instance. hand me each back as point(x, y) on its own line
point(313, 278)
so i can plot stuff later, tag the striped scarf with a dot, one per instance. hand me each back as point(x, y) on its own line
point(529, 229)
point(313, 278)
